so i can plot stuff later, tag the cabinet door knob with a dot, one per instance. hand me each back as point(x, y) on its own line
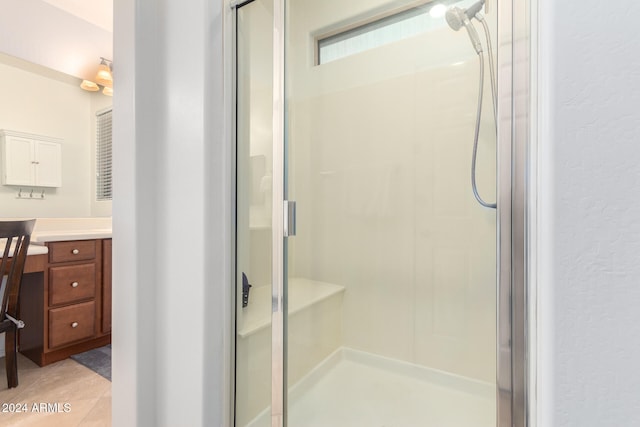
point(75, 252)
point(74, 285)
point(74, 325)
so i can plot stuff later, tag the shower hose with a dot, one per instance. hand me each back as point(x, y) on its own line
point(474, 185)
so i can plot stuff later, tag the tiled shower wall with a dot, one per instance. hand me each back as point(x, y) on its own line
point(380, 151)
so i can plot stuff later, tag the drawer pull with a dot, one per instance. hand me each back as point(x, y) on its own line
point(74, 285)
point(74, 325)
point(75, 252)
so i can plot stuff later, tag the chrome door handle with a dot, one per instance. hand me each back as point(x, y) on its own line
point(289, 218)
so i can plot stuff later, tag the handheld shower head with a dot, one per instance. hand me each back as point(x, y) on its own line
point(457, 18)
point(454, 17)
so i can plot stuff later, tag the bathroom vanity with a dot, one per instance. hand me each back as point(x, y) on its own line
point(65, 299)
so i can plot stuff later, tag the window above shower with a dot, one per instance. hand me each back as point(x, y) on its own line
point(384, 28)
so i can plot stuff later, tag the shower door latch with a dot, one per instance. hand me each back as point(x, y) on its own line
point(289, 218)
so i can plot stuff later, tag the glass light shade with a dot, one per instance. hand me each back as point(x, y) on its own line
point(107, 91)
point(89, 85)
point(104, 77)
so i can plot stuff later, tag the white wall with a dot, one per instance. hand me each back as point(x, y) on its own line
point(589, 210)
point(171, 217)
point(44, 102)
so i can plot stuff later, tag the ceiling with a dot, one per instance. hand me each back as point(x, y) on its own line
point(97, 12)
point(68, 36)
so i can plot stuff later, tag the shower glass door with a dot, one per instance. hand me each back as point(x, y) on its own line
point(388, 288)
point(254, 157)
point(391, 277)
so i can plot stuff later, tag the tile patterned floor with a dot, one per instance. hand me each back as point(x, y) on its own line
point(73, 396)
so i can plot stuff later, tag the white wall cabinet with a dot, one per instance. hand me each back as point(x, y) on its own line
point(30, 160)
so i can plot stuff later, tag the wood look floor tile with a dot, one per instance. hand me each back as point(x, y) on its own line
point(78, 410)
point(28, 373)
point(66, 381)
point(100, 414)
point(87, 394)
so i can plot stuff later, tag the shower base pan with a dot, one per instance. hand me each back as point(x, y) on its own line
point(356, 389)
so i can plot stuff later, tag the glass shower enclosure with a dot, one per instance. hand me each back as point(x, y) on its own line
point(373, 302)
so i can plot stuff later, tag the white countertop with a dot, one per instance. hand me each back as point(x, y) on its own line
point(66, 229)
point(37, 250)
point(66, 235)
point(33, 249)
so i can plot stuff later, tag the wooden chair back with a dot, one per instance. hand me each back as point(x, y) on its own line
point(16, 236)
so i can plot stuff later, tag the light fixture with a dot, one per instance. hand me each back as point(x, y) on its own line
point(104, 77)
point(89, 85)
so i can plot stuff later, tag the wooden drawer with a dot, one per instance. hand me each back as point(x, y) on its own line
point(71, 284)
point(72, 323)
point(77, 250)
